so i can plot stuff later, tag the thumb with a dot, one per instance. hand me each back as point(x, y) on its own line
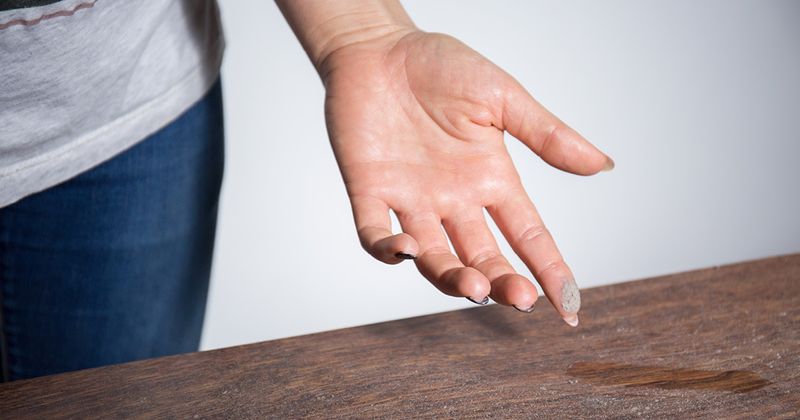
point(547, 136)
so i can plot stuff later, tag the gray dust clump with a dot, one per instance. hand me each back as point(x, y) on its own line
point(570, 296)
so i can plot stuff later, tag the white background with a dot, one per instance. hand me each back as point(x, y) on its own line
point(698, 103)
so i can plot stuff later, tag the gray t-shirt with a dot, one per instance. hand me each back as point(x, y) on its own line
point(83, 80)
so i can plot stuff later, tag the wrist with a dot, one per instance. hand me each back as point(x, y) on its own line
point(327, 27)
point(341, 39)
point(346, 50)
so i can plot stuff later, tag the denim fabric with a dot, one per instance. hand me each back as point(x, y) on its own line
point(113, 265)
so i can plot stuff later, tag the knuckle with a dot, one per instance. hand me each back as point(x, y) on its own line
point(532, 234)
point(550, 266)
point(486, 257)
point(434, 251)
point(549, 139)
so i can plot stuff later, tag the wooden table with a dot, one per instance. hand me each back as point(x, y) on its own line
point(719, 342)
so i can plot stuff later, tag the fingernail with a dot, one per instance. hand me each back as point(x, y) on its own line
point(570, 296)
point(483, 301)
point(529, 310)
point(404, 256)
point(609, 164)
point(570, 301)
point(571, 320)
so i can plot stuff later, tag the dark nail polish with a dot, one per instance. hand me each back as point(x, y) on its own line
point(482, 302)
point(404, 256)
point(527, 311)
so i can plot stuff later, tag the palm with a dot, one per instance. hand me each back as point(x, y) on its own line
point(417, 125)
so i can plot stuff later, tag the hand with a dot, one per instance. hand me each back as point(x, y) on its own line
point(416, 122)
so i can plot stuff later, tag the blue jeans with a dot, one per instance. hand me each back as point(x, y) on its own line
point(113, 265)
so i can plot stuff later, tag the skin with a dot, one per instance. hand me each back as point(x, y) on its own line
point(416, 121)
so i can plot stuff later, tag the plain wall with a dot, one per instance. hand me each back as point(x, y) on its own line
point(698, 103)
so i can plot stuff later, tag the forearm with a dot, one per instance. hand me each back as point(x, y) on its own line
point(325, 26)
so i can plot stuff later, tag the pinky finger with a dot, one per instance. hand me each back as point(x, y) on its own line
point(375, 231)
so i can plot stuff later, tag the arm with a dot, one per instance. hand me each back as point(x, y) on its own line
point(416, 121)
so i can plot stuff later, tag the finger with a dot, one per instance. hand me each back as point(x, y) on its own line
point(437, 264)
point(551, 139)
point(476, 246)
point(520, 223)
point(375, 231)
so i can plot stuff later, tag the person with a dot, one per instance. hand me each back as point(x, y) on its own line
point(111, 162)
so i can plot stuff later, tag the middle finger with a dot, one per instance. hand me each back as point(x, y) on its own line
point(475, 245)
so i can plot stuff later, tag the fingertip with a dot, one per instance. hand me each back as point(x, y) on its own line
point(405, 247)
point(515, 290)
point(609, 165)
point(471, 283)
point(564, 294)
point(395, 249)
point(573, 153)
point(571, 320)
point(406, 244)
point(562, 147)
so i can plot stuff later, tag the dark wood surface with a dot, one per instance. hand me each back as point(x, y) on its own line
point(723, 342)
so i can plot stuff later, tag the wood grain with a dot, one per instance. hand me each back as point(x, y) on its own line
point(714, 343)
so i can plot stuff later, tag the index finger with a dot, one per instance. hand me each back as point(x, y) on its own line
point(524, 230)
